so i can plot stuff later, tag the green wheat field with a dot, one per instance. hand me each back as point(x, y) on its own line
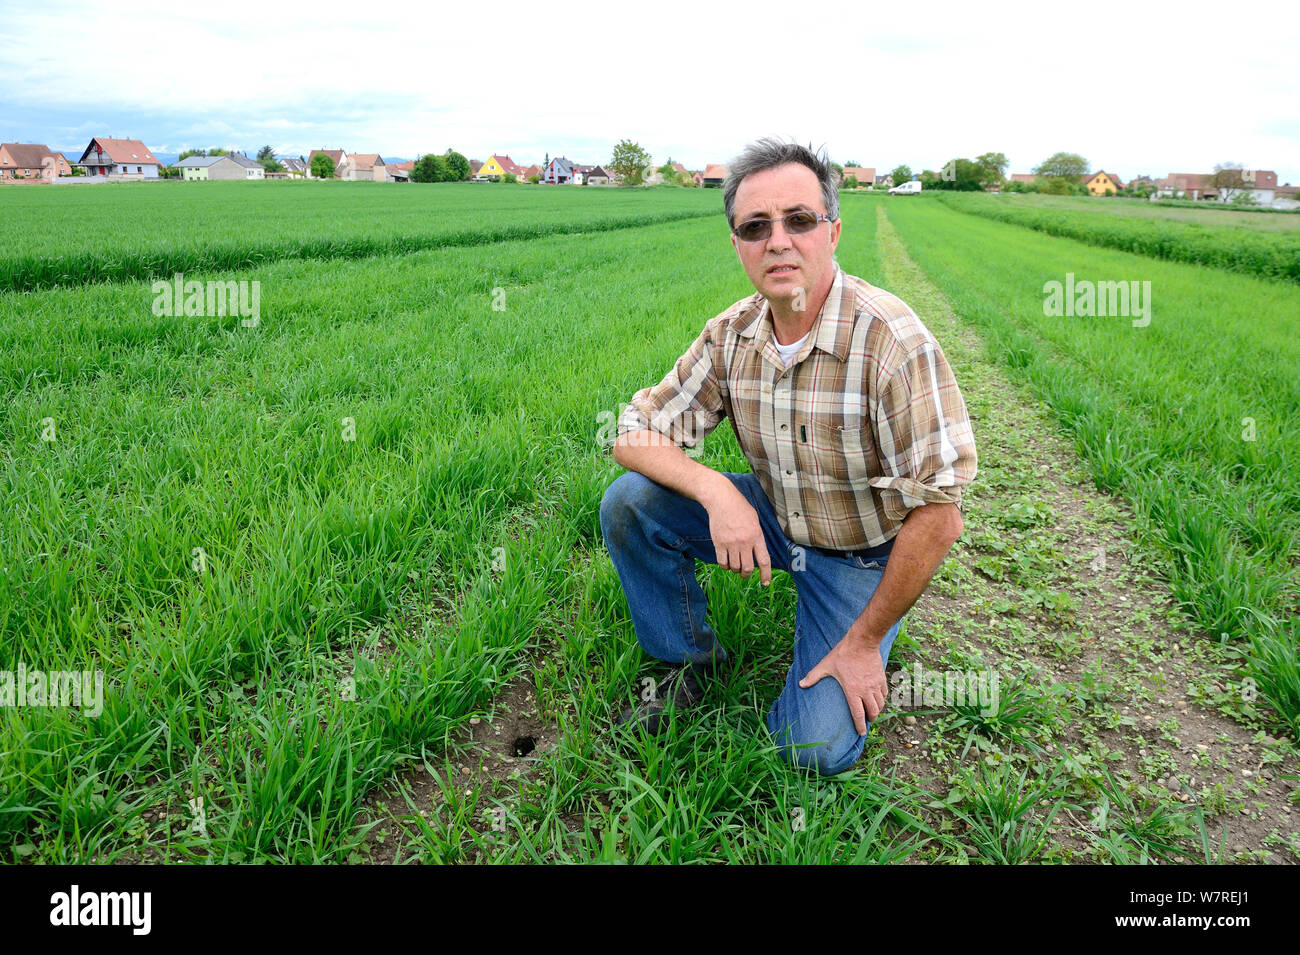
point(317, 554)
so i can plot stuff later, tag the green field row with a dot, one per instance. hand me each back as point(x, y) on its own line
point(79, 235)
point(1191, 410)
point(231, 521)
point(1271, 255)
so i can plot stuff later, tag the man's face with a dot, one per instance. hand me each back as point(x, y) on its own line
point(783, 263)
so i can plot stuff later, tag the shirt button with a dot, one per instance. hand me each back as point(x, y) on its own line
point(783, 428)
point(789, 473)
point(795, 514)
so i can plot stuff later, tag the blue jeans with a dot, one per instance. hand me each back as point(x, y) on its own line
point(655, 535)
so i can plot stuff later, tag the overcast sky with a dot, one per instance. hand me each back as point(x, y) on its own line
point(1133, 87)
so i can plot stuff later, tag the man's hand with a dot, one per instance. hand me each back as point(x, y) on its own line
point(855, 663)
point(737, 535)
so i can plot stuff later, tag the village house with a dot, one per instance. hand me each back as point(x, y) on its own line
point(31, 161)
point(1101, 183)
point(340, 156)
point(1260, 184)
point(559, 172)
point(363, 167)
point(599, 177)
point(122, 159)
point(713, 176)
point(865, 175)
point(498, 167)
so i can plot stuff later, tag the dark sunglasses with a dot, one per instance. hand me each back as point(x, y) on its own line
point(796, 223)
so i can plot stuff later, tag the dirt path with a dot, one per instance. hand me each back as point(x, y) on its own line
point(1049, 586)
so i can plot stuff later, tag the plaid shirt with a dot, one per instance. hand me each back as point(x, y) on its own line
point(865, 424)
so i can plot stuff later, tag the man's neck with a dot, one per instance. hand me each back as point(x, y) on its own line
point(789, 325)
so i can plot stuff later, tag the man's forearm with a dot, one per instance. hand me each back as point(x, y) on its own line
point(662, 461)
point(927, 534)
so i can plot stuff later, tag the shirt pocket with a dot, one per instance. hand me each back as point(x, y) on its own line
point(842, 455)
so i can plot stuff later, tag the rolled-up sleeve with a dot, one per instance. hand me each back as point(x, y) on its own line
point(927, 446)
point(686, 405)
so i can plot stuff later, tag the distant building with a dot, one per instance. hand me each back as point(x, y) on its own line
point(209, 168)
point(865, 175)
point(362, 167)
point(119, 159)
point(1261, 184)
point(598, 176)
point(713, 176)
point(1101, 183)
point(339, 156)
point(295, 167)
point(497, 167)
point(559, 172)
point(31, 161)
point(252, 168)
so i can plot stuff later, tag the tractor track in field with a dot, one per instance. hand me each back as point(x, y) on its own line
point(1073, 608)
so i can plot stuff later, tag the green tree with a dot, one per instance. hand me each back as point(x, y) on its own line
point(510, 177)
point(961, 175)
point(265, 153)
point(322, 166)
point(457, 166)
point(993, 169)
point(431, 168)
point(1069, 166)
point(850, 182)
point(1229, 180)
point(191, 152)
point(901, 174)
point(628, 161)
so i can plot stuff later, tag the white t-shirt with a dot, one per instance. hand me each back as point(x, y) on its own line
point(787, 352)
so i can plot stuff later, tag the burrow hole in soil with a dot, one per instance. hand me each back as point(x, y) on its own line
point(523, 745)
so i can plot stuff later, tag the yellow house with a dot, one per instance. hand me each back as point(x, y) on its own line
point(499, 166)
point(1100, 183)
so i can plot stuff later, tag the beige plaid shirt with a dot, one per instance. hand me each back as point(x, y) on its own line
point(865, 424)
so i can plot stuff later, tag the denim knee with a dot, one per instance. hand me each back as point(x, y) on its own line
point(621, 503)
point(828, 759)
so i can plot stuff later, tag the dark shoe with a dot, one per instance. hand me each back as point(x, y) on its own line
point(680, 689)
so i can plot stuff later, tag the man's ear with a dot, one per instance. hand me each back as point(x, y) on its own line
point(835, 234)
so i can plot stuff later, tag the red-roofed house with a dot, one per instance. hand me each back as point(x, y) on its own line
point(1101, 182)
point(119, 159)
point(31, 161)
point(713, 176)
point(865, 175)
point(339, 156)
point(498, 166)
point(362, 166)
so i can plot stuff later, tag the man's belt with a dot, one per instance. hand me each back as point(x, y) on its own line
point(869, 553)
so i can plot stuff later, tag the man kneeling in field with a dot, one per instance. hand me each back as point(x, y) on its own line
point(859, 444)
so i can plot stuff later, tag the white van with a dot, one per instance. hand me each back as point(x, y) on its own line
point(907, 188)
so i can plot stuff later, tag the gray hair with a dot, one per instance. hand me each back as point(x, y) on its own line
point(770, 152)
